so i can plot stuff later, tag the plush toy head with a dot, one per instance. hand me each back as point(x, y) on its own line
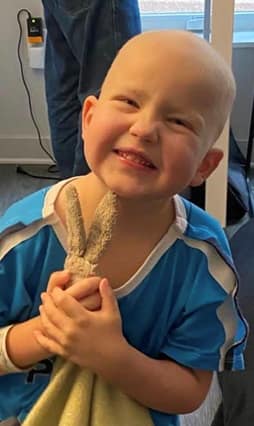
point(84, 252)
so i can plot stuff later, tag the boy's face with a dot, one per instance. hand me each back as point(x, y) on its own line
point(149, 132)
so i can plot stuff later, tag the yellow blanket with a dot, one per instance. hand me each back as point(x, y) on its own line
point(78, 397)
point(75, 396)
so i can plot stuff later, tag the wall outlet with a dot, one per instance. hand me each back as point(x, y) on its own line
point(36, 53)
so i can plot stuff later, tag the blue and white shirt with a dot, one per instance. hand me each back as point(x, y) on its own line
point(180, 303)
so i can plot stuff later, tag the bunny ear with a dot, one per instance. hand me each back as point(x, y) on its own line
point(83, 253)
point(101, 229)
point(74, 221)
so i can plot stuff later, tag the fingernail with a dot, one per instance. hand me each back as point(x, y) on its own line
point(43, 296)
point(105, 283)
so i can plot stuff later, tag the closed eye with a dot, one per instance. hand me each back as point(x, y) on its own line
point(131, 102)
point(191, 122)
point(177, 121)
point(180, 123)
point(127, 101)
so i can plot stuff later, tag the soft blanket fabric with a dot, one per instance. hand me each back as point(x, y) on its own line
point(81, 398)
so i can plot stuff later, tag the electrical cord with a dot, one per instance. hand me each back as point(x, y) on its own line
point(22, 171)
point(19, 168)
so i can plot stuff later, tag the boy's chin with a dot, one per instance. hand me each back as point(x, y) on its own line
point(128, 193)
point(127, 190)
point(134, 195)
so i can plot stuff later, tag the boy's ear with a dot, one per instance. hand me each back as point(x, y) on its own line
point(87, 111)
point(209, 163)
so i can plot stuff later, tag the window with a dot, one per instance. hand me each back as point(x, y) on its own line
point(183, 6)
point(192, 15)
point(244, 5)
point(169, 6)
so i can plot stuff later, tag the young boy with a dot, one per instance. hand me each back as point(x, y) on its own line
point(165, 315)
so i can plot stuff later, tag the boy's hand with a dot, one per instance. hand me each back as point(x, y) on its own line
point(73, 332)
point(85, 290)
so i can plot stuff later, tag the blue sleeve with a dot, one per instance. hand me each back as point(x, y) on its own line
point(20, 296)
point(23, 212)
point(21, 261)
point(210, 333)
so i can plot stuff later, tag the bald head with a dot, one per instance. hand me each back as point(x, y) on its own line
point(201, 67)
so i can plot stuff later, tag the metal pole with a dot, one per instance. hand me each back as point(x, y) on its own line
point(207, 19)
point(221, 39)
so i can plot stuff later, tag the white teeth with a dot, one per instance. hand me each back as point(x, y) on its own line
point(135, 158)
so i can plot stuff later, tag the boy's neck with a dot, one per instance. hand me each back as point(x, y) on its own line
point(146, 214)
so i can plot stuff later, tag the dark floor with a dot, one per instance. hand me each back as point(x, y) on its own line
point(15, 185)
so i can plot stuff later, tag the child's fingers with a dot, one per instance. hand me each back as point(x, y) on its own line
point(92, 303)
point(83, 288)
point(49, 345)
point(58, 279)
point(49, 329)
point(71, 307)
point(109, 302)
point(56, 324)
point(54, 314)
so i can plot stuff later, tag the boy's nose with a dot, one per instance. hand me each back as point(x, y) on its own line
point(146, 129)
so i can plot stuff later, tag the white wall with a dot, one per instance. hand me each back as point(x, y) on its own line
point(18, 139)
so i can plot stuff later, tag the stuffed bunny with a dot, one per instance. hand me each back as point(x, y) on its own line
point(77, 396)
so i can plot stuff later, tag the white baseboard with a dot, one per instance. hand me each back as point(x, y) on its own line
point(24, 151)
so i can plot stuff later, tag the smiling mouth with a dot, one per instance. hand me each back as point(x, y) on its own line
point(135, 158)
